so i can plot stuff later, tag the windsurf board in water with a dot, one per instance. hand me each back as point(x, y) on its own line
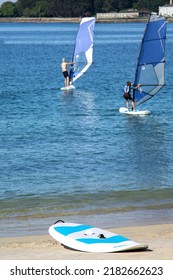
point(91, 239)
point(134, 112)
point(70, 87)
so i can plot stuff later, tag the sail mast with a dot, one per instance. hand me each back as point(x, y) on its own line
point(73, 59)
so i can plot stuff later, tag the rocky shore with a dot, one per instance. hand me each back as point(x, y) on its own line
point(55, 19)
point(38, 19)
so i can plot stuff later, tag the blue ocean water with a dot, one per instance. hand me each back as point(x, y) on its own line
point(72, 155)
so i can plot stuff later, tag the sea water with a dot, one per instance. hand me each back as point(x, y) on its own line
point(72, 155)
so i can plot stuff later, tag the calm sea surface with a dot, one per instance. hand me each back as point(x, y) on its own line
point(73, 156)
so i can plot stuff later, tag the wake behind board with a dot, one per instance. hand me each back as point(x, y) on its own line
point(124, 110)
point(71, 87)
point(87, 238)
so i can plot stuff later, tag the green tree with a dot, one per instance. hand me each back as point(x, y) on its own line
point(110, 5)
point(68, 8)
point(8, 9)
point(126, 4)
point(83, 8)
point(39, 9)
point(51, 9)
point(24, 7)
point(148, 5)
point(98, 5)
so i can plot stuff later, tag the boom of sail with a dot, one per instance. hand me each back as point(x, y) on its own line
point(83, 51)
point(151, 60)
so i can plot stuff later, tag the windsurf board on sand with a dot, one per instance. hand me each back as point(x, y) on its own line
point(87, 238)
point(124, 110)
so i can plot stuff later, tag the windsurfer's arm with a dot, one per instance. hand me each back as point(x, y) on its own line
point(70, 63)
point(138, 85)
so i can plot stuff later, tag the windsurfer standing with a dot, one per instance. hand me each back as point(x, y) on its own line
point(65, 72)
point(127, 94)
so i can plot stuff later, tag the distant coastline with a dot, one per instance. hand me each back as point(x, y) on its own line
point(56, 19)
point(38, 19)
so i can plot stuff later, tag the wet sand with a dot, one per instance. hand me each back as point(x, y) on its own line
point(159, 239)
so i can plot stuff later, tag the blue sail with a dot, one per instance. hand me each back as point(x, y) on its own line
point(151, 60)
point(83, 52)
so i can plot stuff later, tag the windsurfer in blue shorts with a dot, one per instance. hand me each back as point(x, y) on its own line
point(127, 94)
point(65, 72)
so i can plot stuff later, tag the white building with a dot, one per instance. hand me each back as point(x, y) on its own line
point(114, 15)
point(166, 10)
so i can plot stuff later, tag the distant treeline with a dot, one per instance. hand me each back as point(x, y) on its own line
point(77, 8)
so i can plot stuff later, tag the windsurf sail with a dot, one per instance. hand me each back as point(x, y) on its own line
point(151, 60)
point(83, 51)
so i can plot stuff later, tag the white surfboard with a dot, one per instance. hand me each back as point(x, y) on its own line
point(68, 88)
point(91, 239)
point(134, 112)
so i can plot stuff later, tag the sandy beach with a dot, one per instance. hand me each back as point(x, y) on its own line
point(158, 237)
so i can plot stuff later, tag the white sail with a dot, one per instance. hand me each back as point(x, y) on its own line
point(83, 52)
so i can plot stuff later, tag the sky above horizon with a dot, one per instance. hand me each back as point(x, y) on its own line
point(2, 1)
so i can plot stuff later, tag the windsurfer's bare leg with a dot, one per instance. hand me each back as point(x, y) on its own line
point(67, 82)
point(127, 104)
point(133, 105)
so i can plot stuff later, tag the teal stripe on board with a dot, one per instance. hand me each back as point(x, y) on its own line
point(70, 229)
point(110, 240)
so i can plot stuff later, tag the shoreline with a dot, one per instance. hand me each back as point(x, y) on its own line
point(72, 20)
point(28, 226)
point(38, 225)
point(159, 239)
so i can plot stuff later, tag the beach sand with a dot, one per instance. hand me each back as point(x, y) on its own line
point(159, 239)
